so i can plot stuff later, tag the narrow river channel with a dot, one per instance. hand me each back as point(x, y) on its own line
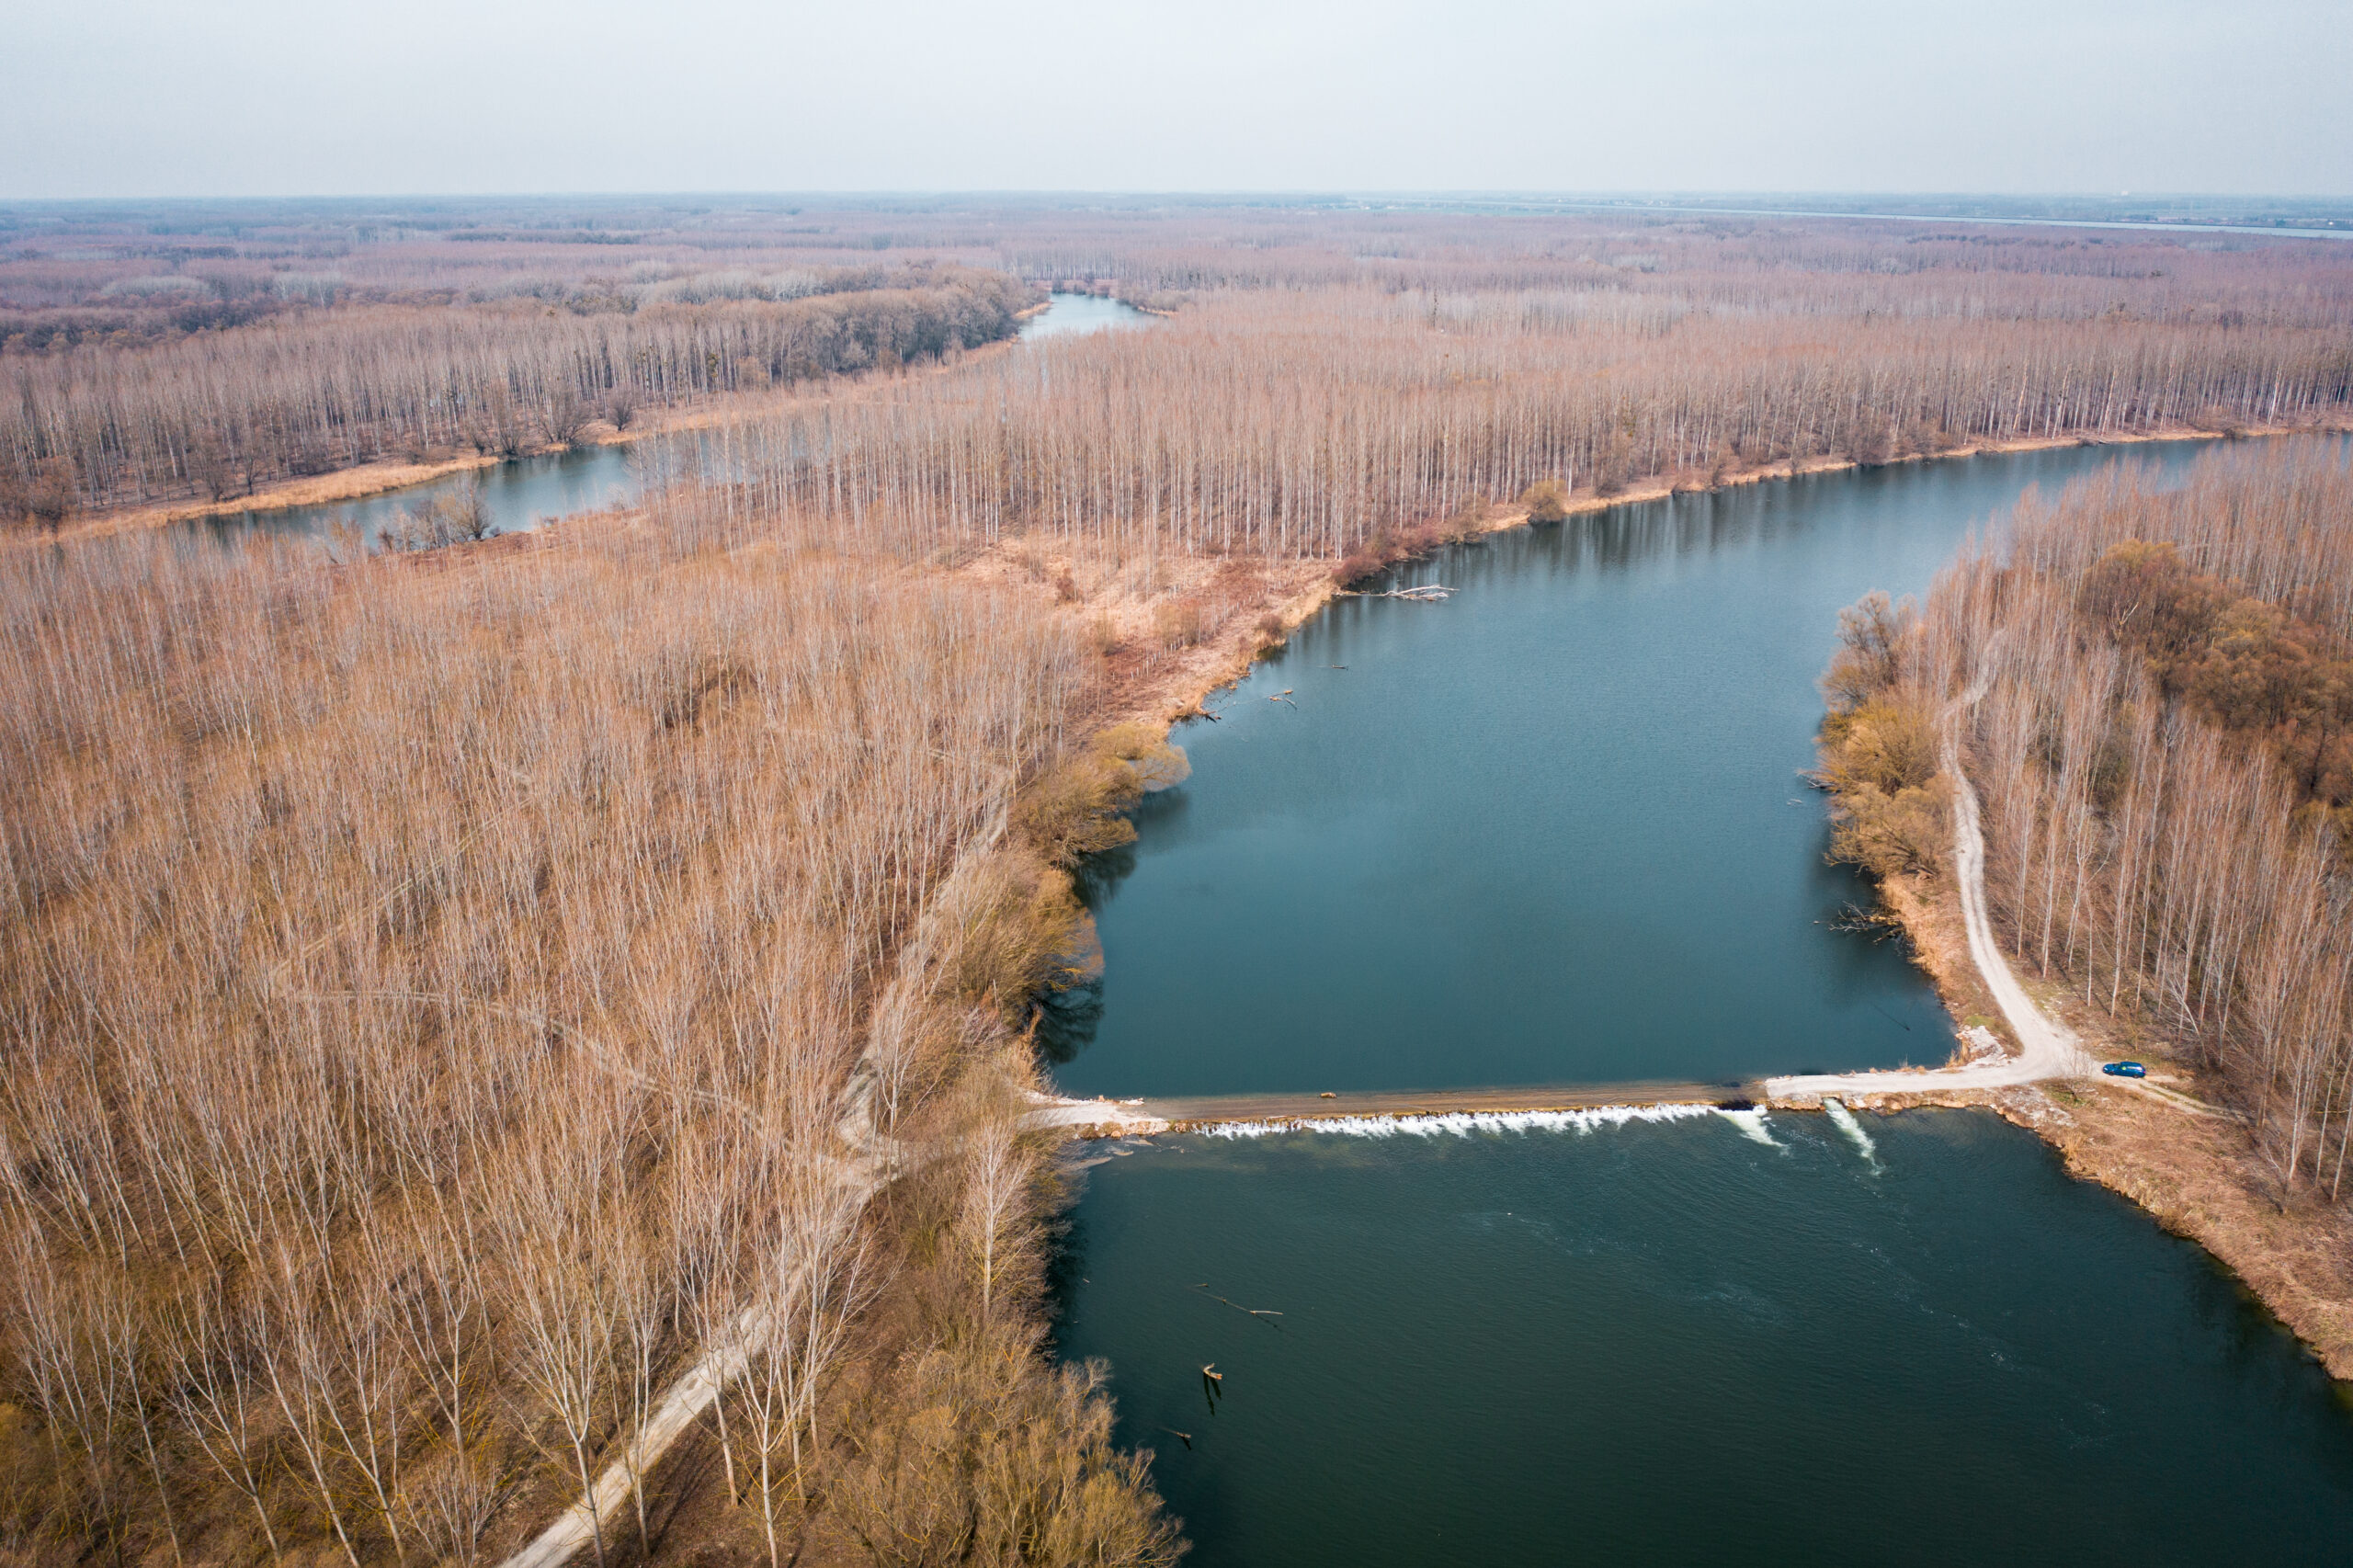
point(1551, 830)
point(520, 495)
point(529, 492)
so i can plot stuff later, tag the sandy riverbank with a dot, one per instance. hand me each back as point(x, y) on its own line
point(1658, 486)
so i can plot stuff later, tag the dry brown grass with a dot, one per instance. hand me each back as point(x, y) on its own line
point(2202, 1177)
point(2205, 1178)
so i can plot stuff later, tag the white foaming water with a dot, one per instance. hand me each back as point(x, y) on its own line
point(1853, 1130)
point(1462, 1124)
point(1752, 1125)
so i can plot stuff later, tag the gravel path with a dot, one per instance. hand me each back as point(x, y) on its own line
point(2048, 1048)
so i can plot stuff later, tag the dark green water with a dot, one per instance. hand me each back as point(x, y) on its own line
point(1671, 1344)
point(1551, 830)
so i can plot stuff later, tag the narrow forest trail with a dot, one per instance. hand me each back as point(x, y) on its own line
point(696, 1390)
point(867, 1161)
point(872, 1162)
point(2047, 1049)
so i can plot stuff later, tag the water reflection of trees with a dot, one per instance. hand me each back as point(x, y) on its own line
point(1067, 1019)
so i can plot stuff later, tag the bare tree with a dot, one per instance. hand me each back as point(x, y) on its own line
point(561, 1294)
point(995, 1208)
point(214, 1393)
point(819, 1276)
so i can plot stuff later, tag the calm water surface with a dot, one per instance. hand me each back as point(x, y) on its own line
point(1551, 830)
point(521, 496)
point(1068, 313)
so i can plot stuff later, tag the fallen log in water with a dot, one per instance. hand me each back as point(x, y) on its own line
point(1428, 593)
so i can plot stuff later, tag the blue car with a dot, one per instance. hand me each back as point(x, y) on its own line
point(2124, 1070)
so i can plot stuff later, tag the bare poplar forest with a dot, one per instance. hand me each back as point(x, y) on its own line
point(1308, 418)
point(195, 359)
point(2164, 748)
point(448, 997)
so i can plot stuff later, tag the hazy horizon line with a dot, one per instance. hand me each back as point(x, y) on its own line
point(1609, 193)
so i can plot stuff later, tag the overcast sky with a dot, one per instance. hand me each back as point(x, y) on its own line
point(194, 97)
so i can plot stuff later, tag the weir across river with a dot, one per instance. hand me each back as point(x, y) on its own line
point(1187, 1114)
point(1200, 1113)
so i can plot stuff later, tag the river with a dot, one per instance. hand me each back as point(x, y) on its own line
point(1071, 313)
point(1551, 830)
point(520, 495)
point(526, 493)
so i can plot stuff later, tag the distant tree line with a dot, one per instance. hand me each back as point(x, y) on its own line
point(1304, 421)
point(218, 414)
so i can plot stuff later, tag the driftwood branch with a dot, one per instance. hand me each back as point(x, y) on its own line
point(1262, 1313)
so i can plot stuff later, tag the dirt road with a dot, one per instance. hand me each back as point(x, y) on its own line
point(2047, 1048)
